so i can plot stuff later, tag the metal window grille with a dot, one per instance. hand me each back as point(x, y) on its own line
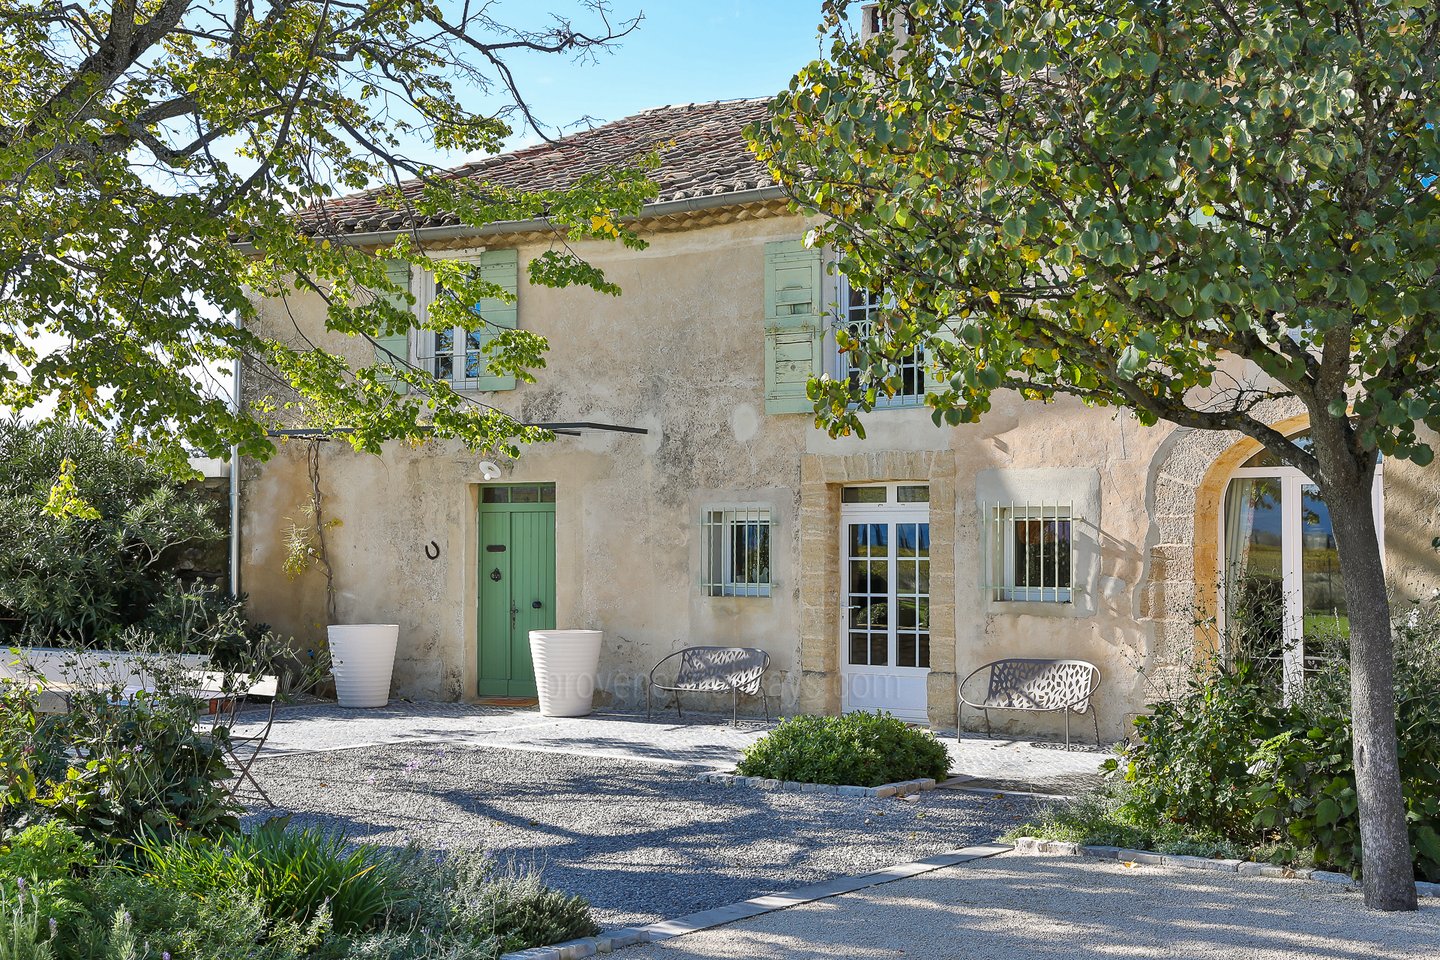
point(737, 552)
point(1030, 552)
point(860, 310)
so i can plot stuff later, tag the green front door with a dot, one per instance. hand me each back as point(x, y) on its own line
point(517, 583)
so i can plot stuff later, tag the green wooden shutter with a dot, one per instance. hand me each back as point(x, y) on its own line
point(394, 349)
point(502, 268)
point(794, 327)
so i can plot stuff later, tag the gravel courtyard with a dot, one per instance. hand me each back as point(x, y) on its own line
point(642, 841)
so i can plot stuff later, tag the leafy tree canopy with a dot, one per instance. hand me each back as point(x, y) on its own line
point(1113, 201)
point(154, 155)
point(1205, 211)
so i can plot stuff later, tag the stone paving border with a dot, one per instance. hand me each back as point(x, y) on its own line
point(613, 940)
point(898, 789)
point(1245, 868)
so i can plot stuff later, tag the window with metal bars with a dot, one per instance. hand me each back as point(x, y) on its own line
point(860, 310)
point(1030, 549)
point(737, 552)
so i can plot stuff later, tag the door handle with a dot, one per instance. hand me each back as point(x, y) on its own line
point(513, 611)
point(535, 604)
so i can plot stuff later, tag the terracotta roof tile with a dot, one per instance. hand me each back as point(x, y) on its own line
point(702, 153)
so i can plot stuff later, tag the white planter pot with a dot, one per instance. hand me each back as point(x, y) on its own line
point(362, 657)
point(566, 662)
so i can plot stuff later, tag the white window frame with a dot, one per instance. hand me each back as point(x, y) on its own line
point(1002, 550)
point(721, 520)
point(840, 361)
point(1292, 483)
point(423, 352)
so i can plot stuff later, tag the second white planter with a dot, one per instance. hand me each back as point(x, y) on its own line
point(362, 657)
point(566, 665)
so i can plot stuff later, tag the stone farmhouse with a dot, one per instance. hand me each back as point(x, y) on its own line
point(876, 573)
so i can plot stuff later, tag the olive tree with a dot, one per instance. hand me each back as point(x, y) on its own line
point(1193, 209)
point(164, 162)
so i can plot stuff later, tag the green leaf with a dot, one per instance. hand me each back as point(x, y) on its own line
point(1355, 289)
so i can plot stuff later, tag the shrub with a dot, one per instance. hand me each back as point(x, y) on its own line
point(1303, 778)
point(463, 905)
point(86, 575)
point(25, 932)
point(1228, 761)
point(45, 852)
point(1189, 760)
point(295, 875)
point(115, 765)
point(861, 749)
point(511, 907)
point(132, 919)
point(119, 762)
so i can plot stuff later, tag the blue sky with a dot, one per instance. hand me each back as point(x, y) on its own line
point(685, 51)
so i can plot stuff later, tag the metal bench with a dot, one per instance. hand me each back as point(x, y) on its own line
point(1038, 685)
point(713, 670)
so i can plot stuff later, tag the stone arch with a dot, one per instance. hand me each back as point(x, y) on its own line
point(1186, 496)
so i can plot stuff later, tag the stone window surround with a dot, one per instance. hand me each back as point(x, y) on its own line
point(1079, 488)
point(821, 479)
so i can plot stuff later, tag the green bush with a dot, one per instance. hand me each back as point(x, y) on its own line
point(132, 919)
point(1189, 760)
point(115, 766)
point(25, 930)
point(463, 906)
point(860, 749)
point(1227, 766)
point(271, 895)
point(41, 871)
point(512, 907)
point(45, 852)
point(295, 875)
point(1303, 781)
point(88, 574)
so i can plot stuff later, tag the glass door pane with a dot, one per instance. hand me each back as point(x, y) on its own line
point(1254, 572)
point(867, 593)
point(1323, 613)
point(912, 594)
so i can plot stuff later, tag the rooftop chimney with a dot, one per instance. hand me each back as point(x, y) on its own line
point(870, 24)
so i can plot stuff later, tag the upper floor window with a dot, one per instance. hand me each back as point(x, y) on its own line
point(458, 355)
point(860, 311)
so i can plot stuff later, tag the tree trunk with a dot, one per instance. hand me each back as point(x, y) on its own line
point(1389, 872)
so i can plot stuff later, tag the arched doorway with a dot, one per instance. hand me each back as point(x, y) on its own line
point(1282, 592)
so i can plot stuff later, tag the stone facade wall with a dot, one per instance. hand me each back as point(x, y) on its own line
point(681, 354)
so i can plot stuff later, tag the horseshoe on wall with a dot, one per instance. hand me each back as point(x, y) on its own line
point(432, 545)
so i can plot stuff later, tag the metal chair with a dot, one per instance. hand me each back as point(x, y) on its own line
point(241, 752)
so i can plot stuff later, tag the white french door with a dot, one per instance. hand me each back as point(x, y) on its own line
point(885, 592)
point(1281, 583)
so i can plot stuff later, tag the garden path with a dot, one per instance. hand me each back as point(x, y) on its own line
point(1047, 908)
